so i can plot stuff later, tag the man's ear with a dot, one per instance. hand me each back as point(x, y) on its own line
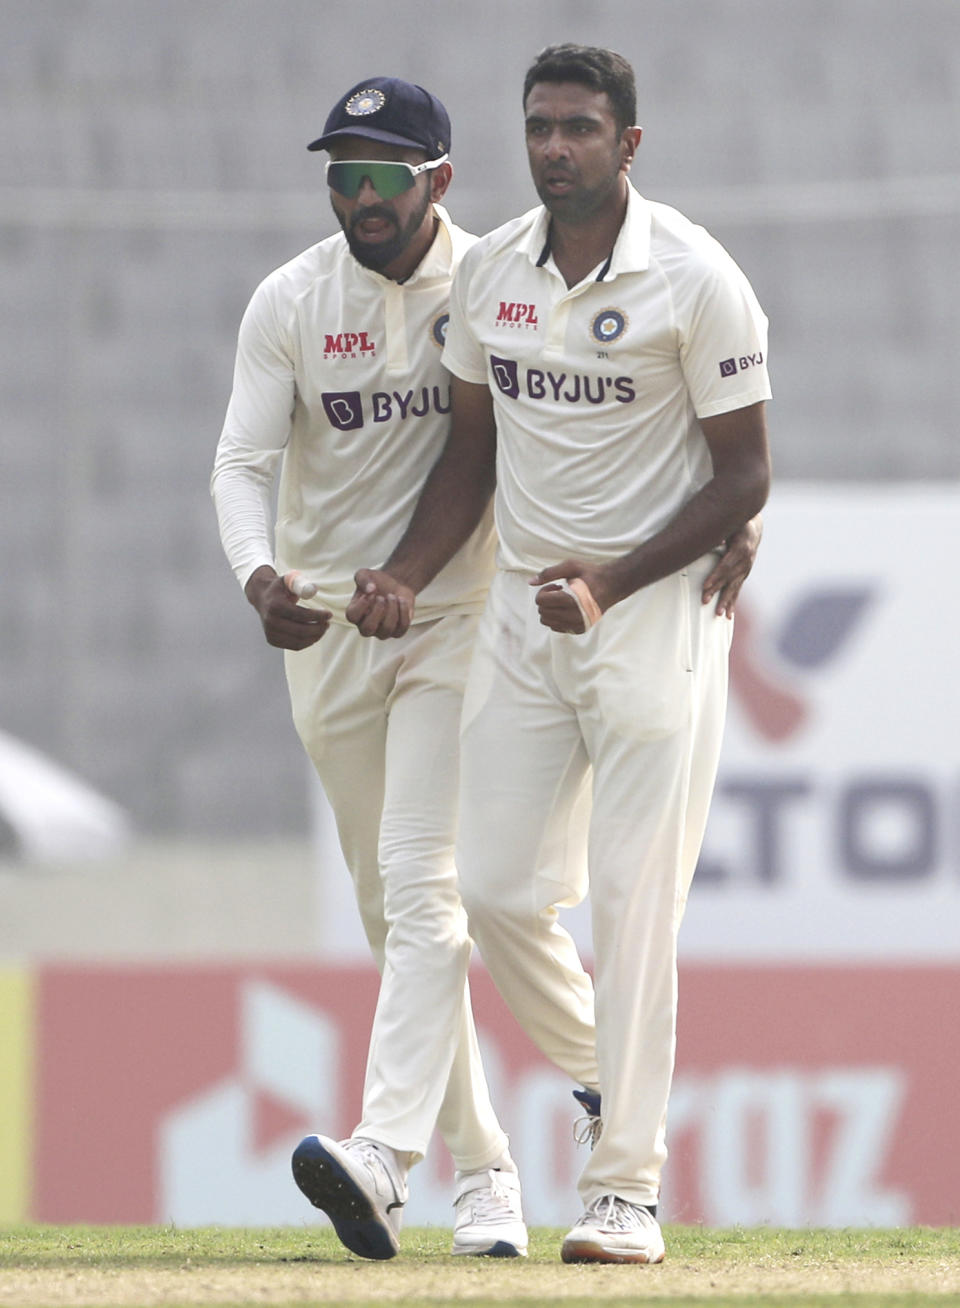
point(629, 142)
point(440, 179)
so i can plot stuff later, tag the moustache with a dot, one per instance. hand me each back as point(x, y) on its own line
point(372, 211)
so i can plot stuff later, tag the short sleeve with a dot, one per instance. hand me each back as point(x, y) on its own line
point(723, 341)
point(463, 353)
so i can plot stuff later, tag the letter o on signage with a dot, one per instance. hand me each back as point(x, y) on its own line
point(888, 830)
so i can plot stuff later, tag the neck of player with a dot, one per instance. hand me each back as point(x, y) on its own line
point(407, 263)
point(579, 247)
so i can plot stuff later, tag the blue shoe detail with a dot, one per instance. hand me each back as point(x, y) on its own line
point(588, 1100)
point(324, 1180)
point(502, 1249)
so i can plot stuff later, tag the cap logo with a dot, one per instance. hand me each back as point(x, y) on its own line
point(365, 102)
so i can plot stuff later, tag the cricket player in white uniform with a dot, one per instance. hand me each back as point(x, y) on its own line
point(610, 376)
point(339, 382)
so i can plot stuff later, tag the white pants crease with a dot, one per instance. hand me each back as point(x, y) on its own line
point(641, 698)
point(380, 721)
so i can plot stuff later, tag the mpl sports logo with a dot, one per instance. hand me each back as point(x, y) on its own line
point(348, 345)
point(514, 314)
point(730, 367)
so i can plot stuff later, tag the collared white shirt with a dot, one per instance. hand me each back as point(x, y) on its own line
point(597, 388)
point(339, 378)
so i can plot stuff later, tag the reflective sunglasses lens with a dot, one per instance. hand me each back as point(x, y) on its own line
point(387, 179)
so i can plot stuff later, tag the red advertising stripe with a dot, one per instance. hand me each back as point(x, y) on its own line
point(874, 1053)
point(818, 1096)
point(119, 1046)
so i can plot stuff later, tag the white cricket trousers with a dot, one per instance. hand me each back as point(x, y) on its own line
point(380, 721)
point(641, 697)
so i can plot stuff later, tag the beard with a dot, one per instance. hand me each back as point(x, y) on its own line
point(381, 254)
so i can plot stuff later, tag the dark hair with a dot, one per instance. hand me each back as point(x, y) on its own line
point(601, 70)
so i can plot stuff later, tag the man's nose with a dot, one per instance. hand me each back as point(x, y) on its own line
point(555, 146)
point(367, 193)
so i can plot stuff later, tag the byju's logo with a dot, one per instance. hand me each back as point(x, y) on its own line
point(815, 630)
point(344, 409)
point(511, 314)
point(730, 367)
point(559, 388)
point(506, 375)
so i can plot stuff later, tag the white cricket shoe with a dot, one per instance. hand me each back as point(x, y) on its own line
point(614, 1231)
point(489, 1219)
point(358, 1185)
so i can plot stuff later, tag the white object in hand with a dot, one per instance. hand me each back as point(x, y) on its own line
point(582, 596)
point(301, 586)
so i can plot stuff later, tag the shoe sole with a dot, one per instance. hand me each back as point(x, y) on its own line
point(501, 1249)
point(331, 1188)
point(586, 1251)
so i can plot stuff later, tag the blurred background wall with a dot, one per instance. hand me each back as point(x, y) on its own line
point(153, 170)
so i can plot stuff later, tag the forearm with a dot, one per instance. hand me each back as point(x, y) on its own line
point(715, 512)
point(735, 493)
point(456, 493)
point(450, 508)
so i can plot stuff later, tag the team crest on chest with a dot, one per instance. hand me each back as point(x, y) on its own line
point(609, 325)
point(438, 329)
point(365, 102)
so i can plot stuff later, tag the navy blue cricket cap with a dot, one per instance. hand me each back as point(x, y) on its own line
point(388, 109)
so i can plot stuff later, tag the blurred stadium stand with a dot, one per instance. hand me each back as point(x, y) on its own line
point(152, 170)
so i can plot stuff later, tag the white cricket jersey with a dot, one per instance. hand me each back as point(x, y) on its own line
point(339, 375)
point(597, 389)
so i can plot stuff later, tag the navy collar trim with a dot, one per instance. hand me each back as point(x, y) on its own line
point(545, 255)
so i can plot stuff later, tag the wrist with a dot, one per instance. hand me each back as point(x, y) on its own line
point(406, 573)
point(257, 582)
point(610, 585)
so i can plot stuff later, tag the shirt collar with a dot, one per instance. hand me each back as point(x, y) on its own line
point(631, 250)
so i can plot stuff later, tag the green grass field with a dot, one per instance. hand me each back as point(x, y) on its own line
point(53, 1265)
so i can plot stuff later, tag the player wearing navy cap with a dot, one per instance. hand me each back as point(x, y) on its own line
point(339, 383)
point(609, 364)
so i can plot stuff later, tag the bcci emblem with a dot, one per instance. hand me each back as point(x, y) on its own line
point(365, 102)
point(438, 329)
point(608, 325)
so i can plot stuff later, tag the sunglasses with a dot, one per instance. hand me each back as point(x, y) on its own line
point(388, 179)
